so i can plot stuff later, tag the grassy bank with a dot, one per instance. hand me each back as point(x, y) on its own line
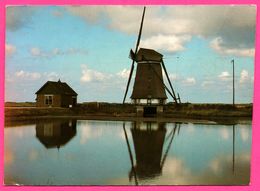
point(186, 110)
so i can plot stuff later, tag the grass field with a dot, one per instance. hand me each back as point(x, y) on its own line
point(16, 111)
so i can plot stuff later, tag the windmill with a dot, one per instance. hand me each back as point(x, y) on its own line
point(148, 93)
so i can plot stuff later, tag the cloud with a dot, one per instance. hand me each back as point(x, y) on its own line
point(51, 76)
point(9, 49)
point(70, 51)
point(89, 75)
point(27, 75)
point(207, 83)
point(218, 45)
point(173, 77)
point(237, 34)
point(244, 77)
point(57, 13)
point(189, 81)
point(31, 76)
point(124, 73)
point(37, 52)
point(224, 76)
point(19, 16)
point(170, 43)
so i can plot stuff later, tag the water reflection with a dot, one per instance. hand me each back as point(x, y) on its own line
point(55, 134)
point(233, 150)
point(151, 146)
point(149, 139)
point(98, 153)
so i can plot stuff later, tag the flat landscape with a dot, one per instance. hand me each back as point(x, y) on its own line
point(222, 113)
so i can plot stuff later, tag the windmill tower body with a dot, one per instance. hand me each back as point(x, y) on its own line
point(148, 90)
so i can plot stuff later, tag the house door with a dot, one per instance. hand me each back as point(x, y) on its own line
point(74, 101)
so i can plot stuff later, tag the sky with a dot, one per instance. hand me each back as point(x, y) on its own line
point(88, 48)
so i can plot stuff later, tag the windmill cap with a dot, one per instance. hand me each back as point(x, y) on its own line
point(145, 54)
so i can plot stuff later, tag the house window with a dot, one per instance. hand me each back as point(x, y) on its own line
point(48, 99)
point(161, 101)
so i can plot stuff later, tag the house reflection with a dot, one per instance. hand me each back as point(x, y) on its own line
point(55, 134)
point(149, 139)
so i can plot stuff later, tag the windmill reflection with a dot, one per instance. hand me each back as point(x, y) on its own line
point(149, 139)
point(55, 134)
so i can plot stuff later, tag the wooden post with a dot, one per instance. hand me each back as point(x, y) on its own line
point(233, 62)
point(166, 73)
point(179, 98)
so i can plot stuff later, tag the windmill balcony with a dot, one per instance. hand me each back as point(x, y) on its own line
point(149, 107)
point(149, 101)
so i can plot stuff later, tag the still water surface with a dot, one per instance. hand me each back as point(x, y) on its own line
point(88, 152)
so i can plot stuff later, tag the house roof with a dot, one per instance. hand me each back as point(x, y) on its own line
point(145, 54)
point(51, 87)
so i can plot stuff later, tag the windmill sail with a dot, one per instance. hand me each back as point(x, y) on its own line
point(133, 60)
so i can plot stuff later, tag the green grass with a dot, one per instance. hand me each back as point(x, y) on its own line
point(186, 110)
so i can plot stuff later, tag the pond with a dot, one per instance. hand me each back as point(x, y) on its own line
point(89, 152)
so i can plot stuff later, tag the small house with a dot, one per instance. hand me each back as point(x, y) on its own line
point(56, 94)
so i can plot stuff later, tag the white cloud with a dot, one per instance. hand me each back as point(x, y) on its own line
point(218, 45)
point(170, 43)
point(224, 76)
point(173, 77)
point(19, 16)
point(207, 83)
point(28, 75)
point(70, 51)
point(124, 73)
point(25, 75)
point(89, 75)
point(51, 76)
point(9, 49)
point(232, 34)
point(244, 77)
point(37, 52)
point(56, 51)
point(189, 81)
